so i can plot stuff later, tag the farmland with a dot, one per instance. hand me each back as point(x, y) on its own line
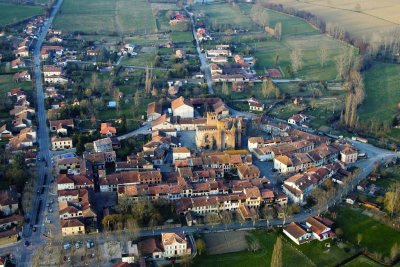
point(296, 34)
point(360, 20)
point(353, 223)
point(104, 16)
point(382, 91)
point(11, 13)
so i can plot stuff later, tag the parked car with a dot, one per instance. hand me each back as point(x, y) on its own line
point(67, 246)
point(26, 243)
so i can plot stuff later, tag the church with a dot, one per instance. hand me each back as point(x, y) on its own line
point(220, 134)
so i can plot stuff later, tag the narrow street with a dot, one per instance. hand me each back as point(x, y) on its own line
point(204, 63)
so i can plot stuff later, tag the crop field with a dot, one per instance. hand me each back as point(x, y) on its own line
point(11, 13)
point(360, 20)
point(106, 16)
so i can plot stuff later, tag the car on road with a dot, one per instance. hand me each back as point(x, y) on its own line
point(34, 228)
point(50, 210)
point(26, 243)
point(89, 243)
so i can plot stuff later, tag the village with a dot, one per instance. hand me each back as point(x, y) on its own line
point(160, 142)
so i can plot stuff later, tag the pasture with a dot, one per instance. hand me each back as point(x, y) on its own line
point(352, 222)
point(105, 16)
point(382, 92)
point(371, 17)
point(12, 13)
point(218, 14)
point(362, 261)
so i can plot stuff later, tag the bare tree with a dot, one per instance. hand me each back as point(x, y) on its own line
point(225, 89)
point(296, 59)
point(278, 31)
point(226, 217)
point(323, 55)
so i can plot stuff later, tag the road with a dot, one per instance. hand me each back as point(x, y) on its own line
point(142, 130)
point(203, 60)
point(24, 254)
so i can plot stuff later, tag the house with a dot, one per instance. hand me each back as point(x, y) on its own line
point(180, 53)
point(103, 145)
point(297, 119)
point(180, 153)
point(162, 123)
point(150, 247)
point(298, 187)
point(51, 70)
point(255, 105)
point(17, 63)
point(319, 229)
point(61, 126)
point(106, 129)
point(182, 108)
point(55, 80)
point(72, 226)
point(248, 172)
point(60, 143)
point(5, 132)
point(25, 138)
point(174, 245)
point(8, 201)
point(296, 233)
point(348, 154)
point(154, 111)
point(22, 77)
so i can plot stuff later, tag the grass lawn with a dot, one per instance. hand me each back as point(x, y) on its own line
point(362, 261)
point(106, 16)
point(376, 237)
point(11, 13)
point(181, 37)
point(323, 256)
point(382, 92)
point(262, 257)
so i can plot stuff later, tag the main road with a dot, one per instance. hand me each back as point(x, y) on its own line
point(24, 253)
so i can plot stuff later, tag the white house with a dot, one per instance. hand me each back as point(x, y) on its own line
point(180, 153)
point(296, 233)
point(174, 245)
point(319, 230)
point(182, 108)
point(297, 119)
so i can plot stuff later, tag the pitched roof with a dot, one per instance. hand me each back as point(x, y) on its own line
point(295, 230)
point(180, 102)
point(71, 223)
point(153, 107)
point(171, 238)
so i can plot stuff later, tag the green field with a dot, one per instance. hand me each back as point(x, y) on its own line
point(254, 259)
point(296, 33)
point(11, 13)
point(219, 14)
point(105, 16)
point(352, 222)
point(382, 92)
point(362, 261)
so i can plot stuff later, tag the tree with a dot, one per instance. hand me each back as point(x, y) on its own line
point(148, 80)
point(323, 55)
point(226, 217)
point(268, 88)
point(225, 89)
point(117, 99)
point(394, 252)
point(124, 204)
point(278, 31)
point(392, 198)
point(94, 81)
point(296, 59)
point(276, 260)
point(359, 238)
point(212, 218)
point(268, 214)
point(200, 245)
point(254, 244)
point(136, 99)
